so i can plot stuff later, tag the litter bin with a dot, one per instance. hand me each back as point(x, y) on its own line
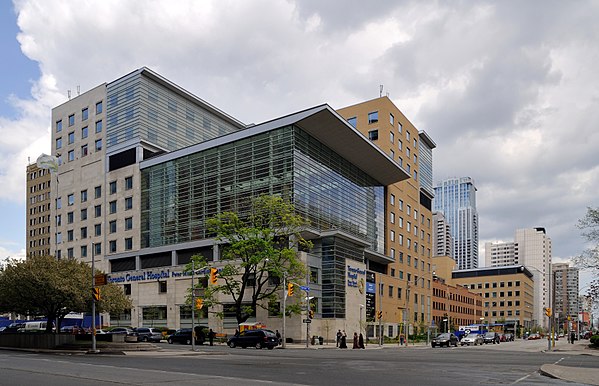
point(320, 340)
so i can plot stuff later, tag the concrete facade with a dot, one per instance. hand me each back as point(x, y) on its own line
point(38, 211)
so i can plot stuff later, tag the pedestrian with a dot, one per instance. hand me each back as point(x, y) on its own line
point(339, 335)
point(278, 334)
point(343, 341)
point(572, 337)
point(355, 341)
point(211, 337)
point(236, 332)
point(361, 341)
point(402, 338)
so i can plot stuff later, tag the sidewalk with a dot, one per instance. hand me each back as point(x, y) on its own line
point(585, 375)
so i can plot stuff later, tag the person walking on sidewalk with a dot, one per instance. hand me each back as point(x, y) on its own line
point(343, 342)
point(211, 335)
point(355, 341)
point(361, 341)
point(572, 337)
point(339, 335)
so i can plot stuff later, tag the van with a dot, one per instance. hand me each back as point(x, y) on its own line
point(35, 326)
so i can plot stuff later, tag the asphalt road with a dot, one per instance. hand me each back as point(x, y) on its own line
point(220, 365)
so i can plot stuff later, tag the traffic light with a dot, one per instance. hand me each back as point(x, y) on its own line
point(213, 278)
point(199, 303)
point(379, 314)
point(289, 289)
point(311, 314)
point(548, 311)
point(96, 293)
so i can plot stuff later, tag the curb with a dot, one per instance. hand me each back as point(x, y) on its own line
point(589, 376)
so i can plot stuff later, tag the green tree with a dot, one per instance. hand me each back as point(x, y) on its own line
point(589, 258)
point(44, 286)
point(257, 250)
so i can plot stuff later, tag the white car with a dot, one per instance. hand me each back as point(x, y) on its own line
point(472, 339)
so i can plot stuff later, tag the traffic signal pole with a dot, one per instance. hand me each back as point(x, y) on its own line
point(193, 305)
point(94, 346)
point(284, 308)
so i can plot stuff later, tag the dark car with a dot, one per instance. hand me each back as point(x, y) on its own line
point(445, 339)
point(491, 337)
point(147, 334)
point(184, 336)
point(254, 338)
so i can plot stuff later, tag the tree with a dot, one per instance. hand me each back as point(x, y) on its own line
point(45, 286)
point(257, 251)
point(589, 258)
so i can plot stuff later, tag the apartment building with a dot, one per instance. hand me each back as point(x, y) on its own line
point(442, 239)
point(38, 211)
point(404, 280)
point(456, 199)
point(566, 302)
point(532, 248)
point(507, 294)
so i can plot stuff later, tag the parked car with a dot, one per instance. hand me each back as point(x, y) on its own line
point(123, 330)
point(445, 339)
point(534, 337)
point(491, 337)
point(148, 334)
point(184, 336)
point(254, 338)
point(472, 339)
point(509, 337)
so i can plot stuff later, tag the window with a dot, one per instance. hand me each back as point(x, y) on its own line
point(172, 105)
point(58, 143)
point(98, 230)
point(97, 192)
point(70, 235)
point(391, 137)
point(70, 253)
point(353, 121)
point(399, 144)
point(59, 126)
point(99, 107)
point(391, 119)
point(392, 236)
point(71, 119)
point(401, 205)
point(84, 114)
point(84, 251)
point(162, 286)
point(407, 135)
point(112, 209)
point(98, 210)
point(84, 195)
point(128, 223)
point(399, 292)
point(128, 183)
point(391, 154)
point(98, 248)
point(391, 290)
point(373, 135)
point(112, 226)
point(128, 203)
point(84, 151)
point(83, 214)
point(399, 126)
point(70, 217)
point(84, 232)
point(71, 199)
point(84, 132)
point(112, 246)
point(98, 126)
point(373, 117)
point(392, 199)
point(59, 203)
point(98, 144)
point(392, 218)
point(71, 155)
point(113, 187)
point(127, 290)
point(128, 243)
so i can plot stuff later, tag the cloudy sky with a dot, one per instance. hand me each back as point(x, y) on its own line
point(509, 90)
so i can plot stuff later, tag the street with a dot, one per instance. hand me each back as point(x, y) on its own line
point(508, 363)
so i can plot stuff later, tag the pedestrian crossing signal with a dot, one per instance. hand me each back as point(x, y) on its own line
point(96, 293)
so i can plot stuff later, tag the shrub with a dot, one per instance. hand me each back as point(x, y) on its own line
point(594, 340)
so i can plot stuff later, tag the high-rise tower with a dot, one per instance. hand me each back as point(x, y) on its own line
point(456, 199)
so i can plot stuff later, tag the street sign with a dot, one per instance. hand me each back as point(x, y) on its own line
point(306, 321)
point(100, 279)
point(305, 288)
point(197, 292)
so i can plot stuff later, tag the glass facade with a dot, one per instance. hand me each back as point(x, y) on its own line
point(179, 195)
point(138, 107)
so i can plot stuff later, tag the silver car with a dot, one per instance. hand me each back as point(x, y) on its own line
point(472, 340)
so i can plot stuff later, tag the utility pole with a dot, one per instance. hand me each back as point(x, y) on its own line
point(94, 347)
point(307, 307)
point(193, 305)
point(381, 311)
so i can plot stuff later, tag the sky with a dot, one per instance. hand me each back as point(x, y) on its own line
point(508, 90)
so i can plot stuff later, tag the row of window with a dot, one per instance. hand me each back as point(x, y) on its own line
point(502, 284)
point(38, 173)
point(98, 194)
point(84, 116)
